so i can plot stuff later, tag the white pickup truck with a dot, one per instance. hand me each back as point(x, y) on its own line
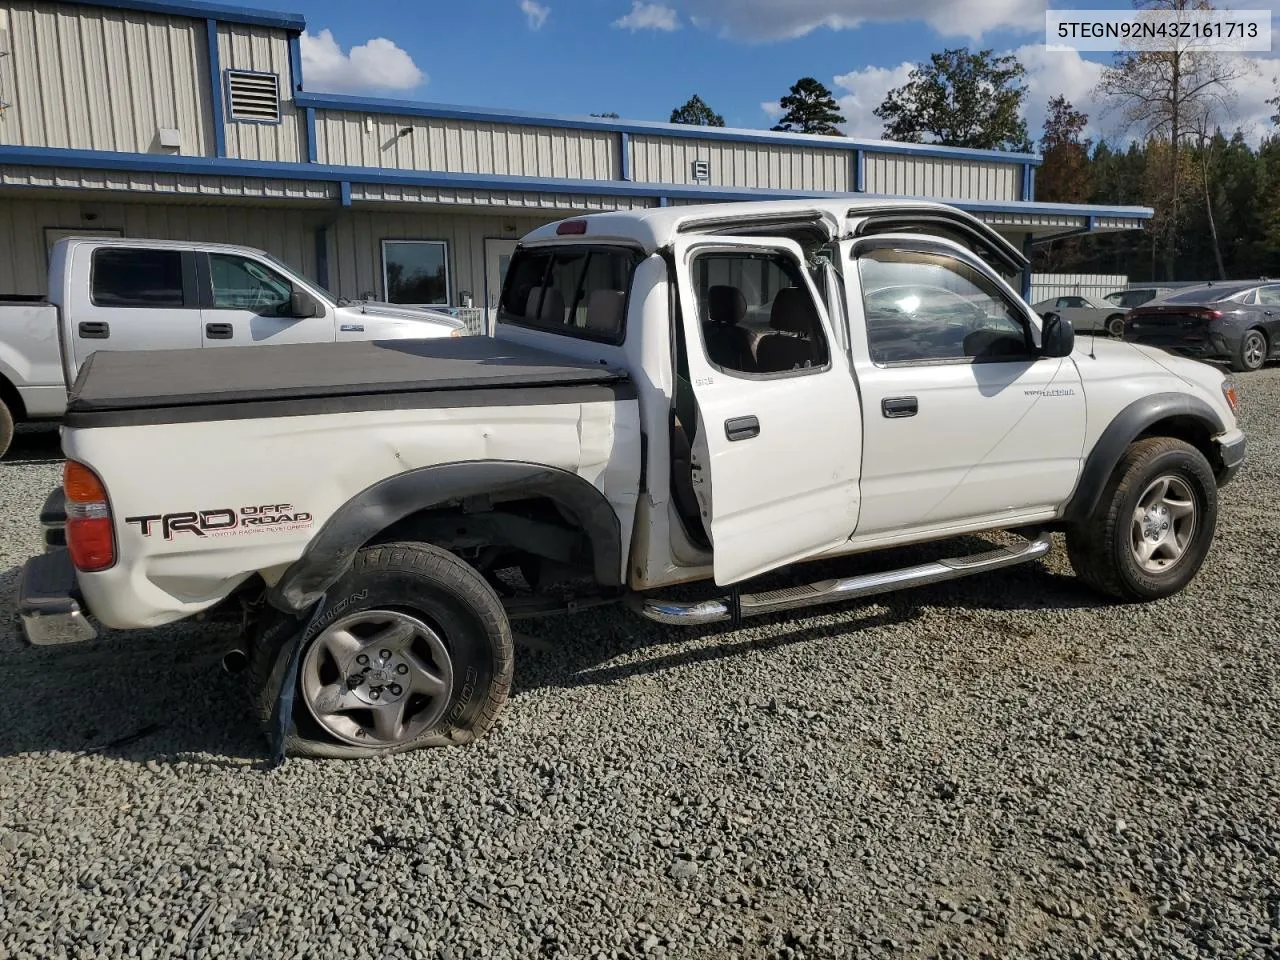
point(117, 294)
point(689, 395)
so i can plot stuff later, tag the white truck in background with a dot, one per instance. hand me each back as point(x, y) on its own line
point(129, 294)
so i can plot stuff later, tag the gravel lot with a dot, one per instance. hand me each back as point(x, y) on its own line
point(1003, 767)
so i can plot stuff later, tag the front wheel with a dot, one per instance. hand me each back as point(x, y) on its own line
point(1153, 526)
point(1250, 353)
point(412, 650)
point(1115, 326)
point(6, 428)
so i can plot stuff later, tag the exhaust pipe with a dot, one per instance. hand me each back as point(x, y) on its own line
point(235, 660)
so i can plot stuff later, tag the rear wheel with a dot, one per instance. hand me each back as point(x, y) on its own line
point(1251, 352)
point(1115, 326)
point(6, 428)
point(1153, 525)
point(414, 650)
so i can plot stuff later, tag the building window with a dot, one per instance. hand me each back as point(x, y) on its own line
point(416, 271)
point(253, 97)
point(123, 277)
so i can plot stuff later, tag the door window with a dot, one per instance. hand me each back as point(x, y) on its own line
point(243, 284)
point(416, 271)
point(756, 313)
point(1269, 296)
point(923, 307)
point(124, 277)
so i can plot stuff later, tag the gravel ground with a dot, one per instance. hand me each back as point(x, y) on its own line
point(1000, 767)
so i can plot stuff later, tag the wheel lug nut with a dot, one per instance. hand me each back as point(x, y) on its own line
point(395, 689)
point(362, 659)
point(374, 694)
point(384, 654)
point(402, 669)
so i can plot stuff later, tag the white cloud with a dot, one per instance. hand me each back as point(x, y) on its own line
point(772, 109)
point(376, 64)
point(765, 20)
point(649, 16)
point(864, 91)
point(536, 13)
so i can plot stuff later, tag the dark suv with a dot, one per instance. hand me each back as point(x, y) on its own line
point(1235, 322)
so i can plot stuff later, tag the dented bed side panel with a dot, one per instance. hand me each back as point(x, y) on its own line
point(198, 507)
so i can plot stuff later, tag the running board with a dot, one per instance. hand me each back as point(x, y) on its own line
point(833, 591)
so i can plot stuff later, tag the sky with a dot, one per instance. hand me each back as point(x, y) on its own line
point(641, 59)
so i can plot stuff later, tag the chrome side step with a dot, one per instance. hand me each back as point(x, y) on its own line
point(833, 591)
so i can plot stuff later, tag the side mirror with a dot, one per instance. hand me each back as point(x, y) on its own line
point(303, 305)
point(1057, 337)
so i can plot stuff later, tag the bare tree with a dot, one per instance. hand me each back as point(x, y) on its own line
point(1205, 136)
point(1160, 92)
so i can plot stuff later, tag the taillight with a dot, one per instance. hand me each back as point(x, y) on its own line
point(1209, 314)
point(90, 539)
point(569, 228)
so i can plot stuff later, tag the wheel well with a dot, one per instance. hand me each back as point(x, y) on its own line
point(1190, 430)
point(535, 534)
point(12, 399)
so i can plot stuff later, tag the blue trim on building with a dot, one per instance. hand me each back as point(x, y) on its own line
point(663, 202)
point(201, 10)
point(215, 90)
point(344, 193)
point(859, 171)
point(442, 111)
point(313, 150)
point(624, 151)
point(1024, 290)
point(295, 61)
point(1032, 194)
point(1024, 189)
point(277, 170)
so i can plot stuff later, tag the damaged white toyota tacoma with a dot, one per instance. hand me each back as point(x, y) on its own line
point(673, 396)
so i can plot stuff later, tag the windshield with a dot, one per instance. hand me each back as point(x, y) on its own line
point(1208, 295)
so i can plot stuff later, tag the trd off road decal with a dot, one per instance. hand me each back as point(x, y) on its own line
point(223, 521)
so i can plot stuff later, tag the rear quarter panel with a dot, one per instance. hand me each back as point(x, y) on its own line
point(30, 358)
point(305, 468)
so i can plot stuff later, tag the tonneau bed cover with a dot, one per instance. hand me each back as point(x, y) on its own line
point(117, 388)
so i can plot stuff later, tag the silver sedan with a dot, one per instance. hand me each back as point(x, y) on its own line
point(1086, 314)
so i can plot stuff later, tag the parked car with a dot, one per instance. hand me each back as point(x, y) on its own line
point(1086, 314)
point(1136, 296)
point(1234, 322)
point(118, 294)
point(375, 505)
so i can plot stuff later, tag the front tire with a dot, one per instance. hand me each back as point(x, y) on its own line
point(1115, 326)
point(6, 428)
point(1251, 352)
point(412, 650)
point(1153, 526)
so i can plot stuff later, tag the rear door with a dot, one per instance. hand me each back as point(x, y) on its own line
point(137, 298)
point(778, 442)
point(246, 301)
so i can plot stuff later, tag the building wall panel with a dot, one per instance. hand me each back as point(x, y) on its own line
point(456, 146)
point(92, 78)
point(656, 159)
point(170, 184)
point(558, 203)
point(262, 50)
point(906, 175)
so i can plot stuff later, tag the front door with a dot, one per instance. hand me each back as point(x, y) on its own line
point(777, 444)
point(248, 304)
point(497, 258)
point(964, 420)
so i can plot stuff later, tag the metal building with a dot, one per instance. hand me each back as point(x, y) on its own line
point(182, 119)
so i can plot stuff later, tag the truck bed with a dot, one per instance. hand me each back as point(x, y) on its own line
point(169, 386)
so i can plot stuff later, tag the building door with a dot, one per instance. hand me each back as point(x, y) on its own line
point(497, 257)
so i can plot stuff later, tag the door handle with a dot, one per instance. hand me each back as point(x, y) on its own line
point(741, 428)
point(218, 331)
point(896, 407)
point(94, 329)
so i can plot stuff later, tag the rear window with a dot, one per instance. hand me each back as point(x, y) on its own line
point(122, 277)
point(1205, 296)
point(576, 291)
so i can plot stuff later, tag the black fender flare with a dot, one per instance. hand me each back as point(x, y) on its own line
point(1127, 425)
point(330, 553)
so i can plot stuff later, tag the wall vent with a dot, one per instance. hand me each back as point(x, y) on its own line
point(253, 96)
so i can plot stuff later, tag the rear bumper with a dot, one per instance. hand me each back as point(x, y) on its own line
point(49, 604)
point(53, 519)
point(1231, 454)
